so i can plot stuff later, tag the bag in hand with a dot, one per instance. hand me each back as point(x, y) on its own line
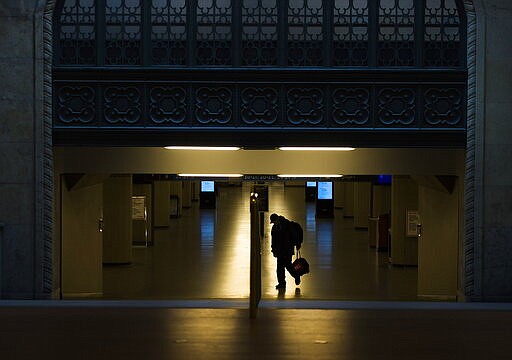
point(300, 266)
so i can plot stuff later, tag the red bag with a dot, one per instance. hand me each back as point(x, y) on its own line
point(300, 266)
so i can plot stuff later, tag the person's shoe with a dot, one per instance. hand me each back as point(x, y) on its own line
point(297, 280)
point(281, 286)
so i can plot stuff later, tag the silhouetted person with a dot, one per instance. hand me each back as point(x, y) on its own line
point(282, 249)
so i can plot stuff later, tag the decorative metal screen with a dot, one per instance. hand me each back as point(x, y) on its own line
point(363, 66)
point(214, 32)
point(169, 32)
point(261, 33)
point(442, 45)
point(123, 32)
point(273, 105)
point(76, 36)
point(350, 33)
point(396, 33)
point(305, 32)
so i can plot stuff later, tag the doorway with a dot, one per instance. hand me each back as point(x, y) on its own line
point(201, 250)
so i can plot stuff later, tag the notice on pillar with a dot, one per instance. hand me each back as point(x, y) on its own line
point(138, 208)
point(412, 223)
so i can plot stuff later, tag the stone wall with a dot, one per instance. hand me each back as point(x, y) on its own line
point(494, 141)
point(20, 105)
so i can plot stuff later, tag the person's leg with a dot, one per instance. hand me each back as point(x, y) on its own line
point(280, 271)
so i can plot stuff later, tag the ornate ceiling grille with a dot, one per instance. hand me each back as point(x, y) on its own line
point(260, 33)
point(280, 65)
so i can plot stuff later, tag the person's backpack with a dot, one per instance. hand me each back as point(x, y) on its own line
point(296, 234)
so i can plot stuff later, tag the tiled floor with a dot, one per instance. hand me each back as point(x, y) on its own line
point(204, 254)
point(85, 332)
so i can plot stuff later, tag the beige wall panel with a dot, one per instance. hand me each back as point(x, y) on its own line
point(161, 204)
point(381, 200)
point(196, 186)
point(362, 193)
point(339, 195)
point(176, 190)
point(187, 194)
point(117, 217)
point(82, 273)
point(348, 209)
point(404, 196)
point(157, 160)
point(437, 248)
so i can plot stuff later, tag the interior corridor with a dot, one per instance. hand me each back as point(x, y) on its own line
point(204, 254)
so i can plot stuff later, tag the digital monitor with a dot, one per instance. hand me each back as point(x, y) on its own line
point(325, 190)
point(384, 179)
point(311, 184)
point(207, 186)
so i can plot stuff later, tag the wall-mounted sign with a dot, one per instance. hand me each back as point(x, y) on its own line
point(324, 190)
point(411, 223)
point(311, 184)
point(138, 208)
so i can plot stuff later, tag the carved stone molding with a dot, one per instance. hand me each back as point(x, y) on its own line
point(305, 106)
point(214, 105)
point(472, 242)
point(44, 183)
point(396, 106)
point(168, 104)
point(122, 104)
point(443, 106)
point(75, 104)
point(259, 105)
point(351, 106)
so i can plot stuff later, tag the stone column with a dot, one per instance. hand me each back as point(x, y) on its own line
point(82, 271)
point(161, 204)
point(348, 209)
point(339, 195)
point(187, 194)
point(489, 255)
point(362, 193)
point(25, 183)
point(437, 245)
point(117, 217)
point(404, 196)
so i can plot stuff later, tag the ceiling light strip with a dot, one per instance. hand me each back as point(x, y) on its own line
point(309, 148)
point(309, 176)
point(204, 148)
point(211, 175)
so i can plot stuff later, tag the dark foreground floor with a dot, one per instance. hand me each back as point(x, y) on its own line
point(108, 332)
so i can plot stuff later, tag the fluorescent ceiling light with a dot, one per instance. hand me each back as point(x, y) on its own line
point(316, 148)
point(228, 148)
point(210, 175)
point(309, 176)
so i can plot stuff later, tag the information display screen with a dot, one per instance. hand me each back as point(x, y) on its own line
point(207, 186)
point(311, 184)
point(325, 190)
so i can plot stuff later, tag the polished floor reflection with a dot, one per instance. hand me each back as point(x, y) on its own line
point(204, 254)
